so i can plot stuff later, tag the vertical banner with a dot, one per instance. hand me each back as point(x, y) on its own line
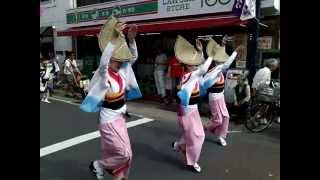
point(237, 7)
point(248, 10)
point(245, 9)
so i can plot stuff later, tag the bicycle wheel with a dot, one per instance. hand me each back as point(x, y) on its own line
point(260, 118)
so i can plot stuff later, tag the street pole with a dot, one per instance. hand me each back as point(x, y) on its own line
point(254, 51)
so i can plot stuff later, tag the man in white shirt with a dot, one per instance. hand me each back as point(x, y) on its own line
point(71, 71)
point(262, 78)
point(160, 67)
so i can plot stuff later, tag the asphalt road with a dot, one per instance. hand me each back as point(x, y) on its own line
point(247, 157)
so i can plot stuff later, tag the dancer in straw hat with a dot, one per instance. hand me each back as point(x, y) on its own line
point(192, 136)
point(213, 82)
point(112, 83)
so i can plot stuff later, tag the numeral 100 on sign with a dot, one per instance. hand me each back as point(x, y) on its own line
point(214, 2)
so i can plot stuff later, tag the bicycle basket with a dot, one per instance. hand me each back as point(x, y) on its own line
point(266, 95)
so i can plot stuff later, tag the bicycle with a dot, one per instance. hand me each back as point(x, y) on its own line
point(264, 110)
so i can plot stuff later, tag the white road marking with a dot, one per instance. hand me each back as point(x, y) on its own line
point(234, 132)
point(83, 138)
point(65, 101)
point(134, 114)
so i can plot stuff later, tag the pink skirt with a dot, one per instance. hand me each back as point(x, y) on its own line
point(116, 148)
point(219, 122)
point(192, 136)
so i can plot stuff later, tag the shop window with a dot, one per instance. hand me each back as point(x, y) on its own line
point(46, 1)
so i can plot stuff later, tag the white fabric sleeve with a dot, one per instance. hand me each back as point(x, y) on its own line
point(134, 50)
point(203, 68)
point(101, 73)
point(228, 63)
point(248, 95)
point(106, 55)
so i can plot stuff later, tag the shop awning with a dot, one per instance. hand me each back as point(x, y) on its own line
point(165, 25)
point(46, 31)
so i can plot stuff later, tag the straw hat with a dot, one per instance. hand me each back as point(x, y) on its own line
point(217, 52)
point(186, 53)
point(121, 50)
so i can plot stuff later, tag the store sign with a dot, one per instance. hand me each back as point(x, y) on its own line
point(117, 11)
point(265, 42)
point(174, 8)
point(135, 10)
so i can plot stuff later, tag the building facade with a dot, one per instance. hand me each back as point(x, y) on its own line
point(159, 22)
point(52, 20)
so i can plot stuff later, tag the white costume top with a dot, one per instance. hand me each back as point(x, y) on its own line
point(190, 83)
point(102, 84)
point(108, 115)
point(212, 76)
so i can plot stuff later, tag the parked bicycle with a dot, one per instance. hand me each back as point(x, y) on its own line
point(264, 108)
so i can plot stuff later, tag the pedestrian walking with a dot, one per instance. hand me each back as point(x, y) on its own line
point(192, 134)
point(71, 72)
point(54, 74)
point(214, 84)
point(45, 73)
point(112, 84)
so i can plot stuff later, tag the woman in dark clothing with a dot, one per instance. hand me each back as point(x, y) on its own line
point(242, 98)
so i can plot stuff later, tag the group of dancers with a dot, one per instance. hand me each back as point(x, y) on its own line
point(114, 82)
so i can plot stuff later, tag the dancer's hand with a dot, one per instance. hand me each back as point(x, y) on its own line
point(199, 44)
point(224, 40)
point(120, 26)
point(132, 32)
point(240, 49)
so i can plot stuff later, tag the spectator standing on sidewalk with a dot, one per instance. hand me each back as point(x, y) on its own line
point(175, 71)
point(54, 73)
point(45, 73)
point(160, 68)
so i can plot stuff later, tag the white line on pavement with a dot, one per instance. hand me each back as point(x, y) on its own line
point(234, 131)
point(83, 138)
point(65, 101)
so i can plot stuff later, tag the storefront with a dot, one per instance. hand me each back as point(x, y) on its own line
point(159, 23)
point(46, 40)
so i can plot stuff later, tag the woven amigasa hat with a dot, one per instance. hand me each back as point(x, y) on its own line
point(217, 52)
point(108, 31)
point(186, 53)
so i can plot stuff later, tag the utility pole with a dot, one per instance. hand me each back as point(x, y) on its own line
point(254, 29)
